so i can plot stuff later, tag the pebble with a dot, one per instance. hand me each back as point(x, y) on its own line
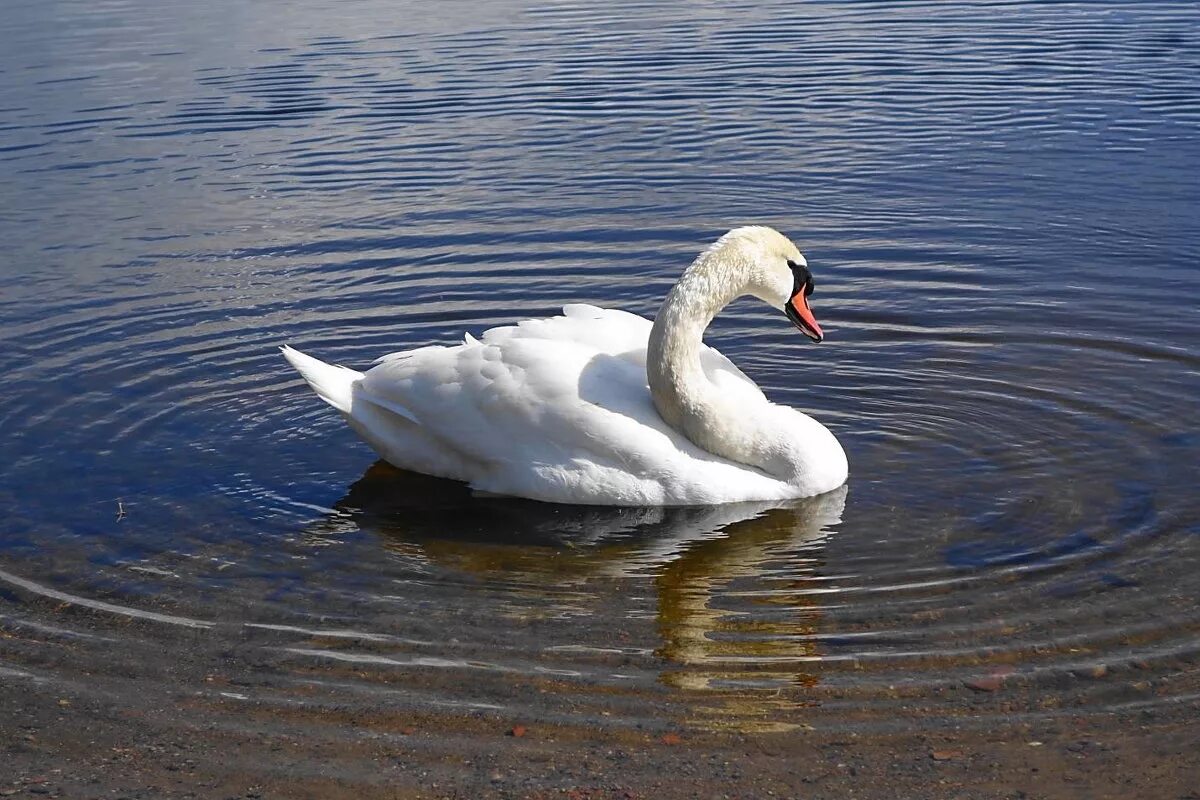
point(989, 684)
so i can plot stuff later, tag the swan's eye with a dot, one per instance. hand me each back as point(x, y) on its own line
point(802, 277)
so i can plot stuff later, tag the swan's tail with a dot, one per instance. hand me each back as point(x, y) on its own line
point(334, 384)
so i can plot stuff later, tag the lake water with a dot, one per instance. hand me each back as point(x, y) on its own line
point(999, 203)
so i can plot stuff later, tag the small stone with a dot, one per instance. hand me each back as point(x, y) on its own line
point(517, 731)
point(945, 755)
point(991, 683)
point(1098, 671)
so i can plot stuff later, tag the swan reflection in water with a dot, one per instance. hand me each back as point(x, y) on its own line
point(736, 585)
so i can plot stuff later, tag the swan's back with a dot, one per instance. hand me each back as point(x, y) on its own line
point(555, 409)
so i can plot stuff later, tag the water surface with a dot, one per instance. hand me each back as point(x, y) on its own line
point(998, 201)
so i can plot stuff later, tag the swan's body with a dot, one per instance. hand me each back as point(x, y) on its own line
point(600, 406)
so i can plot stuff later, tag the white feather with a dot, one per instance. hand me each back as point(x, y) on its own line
point(334, 384)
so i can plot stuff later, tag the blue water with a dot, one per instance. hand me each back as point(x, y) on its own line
point(999, 203)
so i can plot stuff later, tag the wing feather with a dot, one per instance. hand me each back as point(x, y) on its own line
point(565, 398)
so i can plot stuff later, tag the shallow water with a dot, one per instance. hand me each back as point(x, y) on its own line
point(999, 203)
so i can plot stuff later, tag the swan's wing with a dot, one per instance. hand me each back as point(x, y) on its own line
point(559, 409)
point(625, 335)
point(728, 379)
point(605, 330)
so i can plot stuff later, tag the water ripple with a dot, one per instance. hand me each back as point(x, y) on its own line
point(998, 202)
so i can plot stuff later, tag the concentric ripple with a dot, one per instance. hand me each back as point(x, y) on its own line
point(998, 202)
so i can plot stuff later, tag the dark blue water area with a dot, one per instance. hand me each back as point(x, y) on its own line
point(998, 202)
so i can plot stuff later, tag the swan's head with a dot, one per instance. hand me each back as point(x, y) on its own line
point(778, 274)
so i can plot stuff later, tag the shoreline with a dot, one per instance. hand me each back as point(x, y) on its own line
point(88, 747)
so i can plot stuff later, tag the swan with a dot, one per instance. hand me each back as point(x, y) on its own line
point(604, 407)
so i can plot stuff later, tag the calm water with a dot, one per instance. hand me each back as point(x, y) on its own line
point(999, 202)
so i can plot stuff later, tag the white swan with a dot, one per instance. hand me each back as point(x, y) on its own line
point(600, 406)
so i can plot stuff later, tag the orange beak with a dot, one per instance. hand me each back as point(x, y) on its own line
point(802, 317)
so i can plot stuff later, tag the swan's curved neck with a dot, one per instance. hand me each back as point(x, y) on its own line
point(682, 393)
point(677, 381)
